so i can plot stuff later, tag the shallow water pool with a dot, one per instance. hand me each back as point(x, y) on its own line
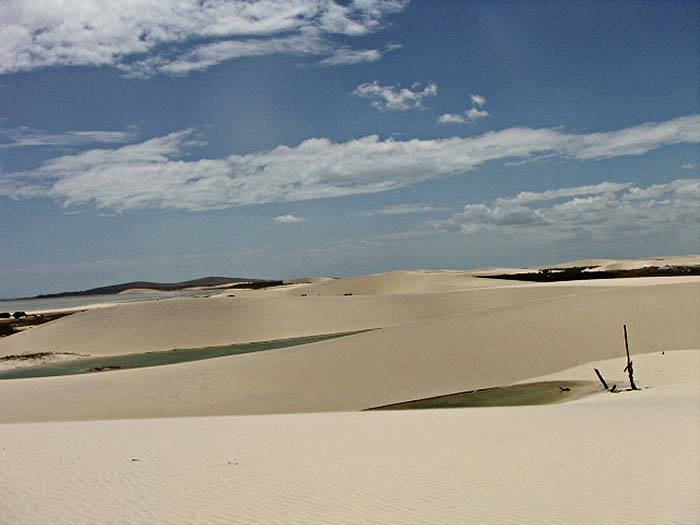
point(120, 362)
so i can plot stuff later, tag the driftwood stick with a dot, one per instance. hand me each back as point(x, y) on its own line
point(628, 368)
point(600, 376)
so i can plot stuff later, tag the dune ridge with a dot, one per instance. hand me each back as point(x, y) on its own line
point(429, 357)
point(199, 322)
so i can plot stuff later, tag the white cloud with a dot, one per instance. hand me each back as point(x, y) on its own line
point(472, 114)
point(289, 219)
point(404, 209)
point(605, 187)
point(689, 166)
point(601, 212)
point(24, 137)
point(451, 118)
point(153, 174)
point(634, 140)
point(478, 100)
point(395, 98)
point(345, 56)
point(203, 56)
point(104, 32)
point(475, 114)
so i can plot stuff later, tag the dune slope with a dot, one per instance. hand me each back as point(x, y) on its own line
point(623, 458)
point(464, 351)
point(198, 322)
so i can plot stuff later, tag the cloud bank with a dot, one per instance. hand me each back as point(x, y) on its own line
point(154, 174)
point(144, 37)
point(599, 212)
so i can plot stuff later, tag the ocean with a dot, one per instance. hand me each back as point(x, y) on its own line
point(58, 303)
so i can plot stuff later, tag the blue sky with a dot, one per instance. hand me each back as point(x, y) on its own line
point(144, 140)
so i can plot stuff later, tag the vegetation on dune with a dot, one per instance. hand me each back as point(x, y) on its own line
point(580, 273)
point(6, 329)
point(14, 325)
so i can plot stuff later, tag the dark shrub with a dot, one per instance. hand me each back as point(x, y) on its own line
point(6, 329)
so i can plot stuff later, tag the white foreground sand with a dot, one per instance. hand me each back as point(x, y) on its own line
point(631, 457)
point(67, 443)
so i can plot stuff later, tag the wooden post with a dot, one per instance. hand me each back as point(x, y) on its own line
point(605, 385)
point(628, 368)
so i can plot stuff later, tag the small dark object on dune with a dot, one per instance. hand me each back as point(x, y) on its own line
point(564, 389)
point(5, 315)
point(19, 314)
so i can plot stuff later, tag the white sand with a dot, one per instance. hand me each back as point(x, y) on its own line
point(611, 458)
point(634, 264)
point(511, 341)
point(190, 322)
point(67, 442)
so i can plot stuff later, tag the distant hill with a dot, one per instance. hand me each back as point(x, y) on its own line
point(204, 282)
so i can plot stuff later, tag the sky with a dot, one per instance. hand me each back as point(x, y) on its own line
point(155, 140)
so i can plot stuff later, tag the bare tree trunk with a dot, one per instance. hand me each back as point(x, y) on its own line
point(628, 368)
point(605, 385)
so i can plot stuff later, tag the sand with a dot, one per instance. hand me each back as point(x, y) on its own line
point(609, 458)
point(276, 436)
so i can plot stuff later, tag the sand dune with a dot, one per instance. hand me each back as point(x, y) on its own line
point(457, 352)
point(199, 322)
point(400, 282)
point(108, 447)
point(633, 264)
point(624, 458)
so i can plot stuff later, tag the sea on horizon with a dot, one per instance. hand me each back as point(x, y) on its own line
point(42, 304)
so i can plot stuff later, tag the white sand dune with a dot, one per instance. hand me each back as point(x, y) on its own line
point(198, 322)
point(611, 458)
point(634, 264)
point(67, 444)
point(399, 282)
point(456, 352)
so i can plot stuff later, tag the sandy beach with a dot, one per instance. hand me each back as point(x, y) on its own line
point(283, 436)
